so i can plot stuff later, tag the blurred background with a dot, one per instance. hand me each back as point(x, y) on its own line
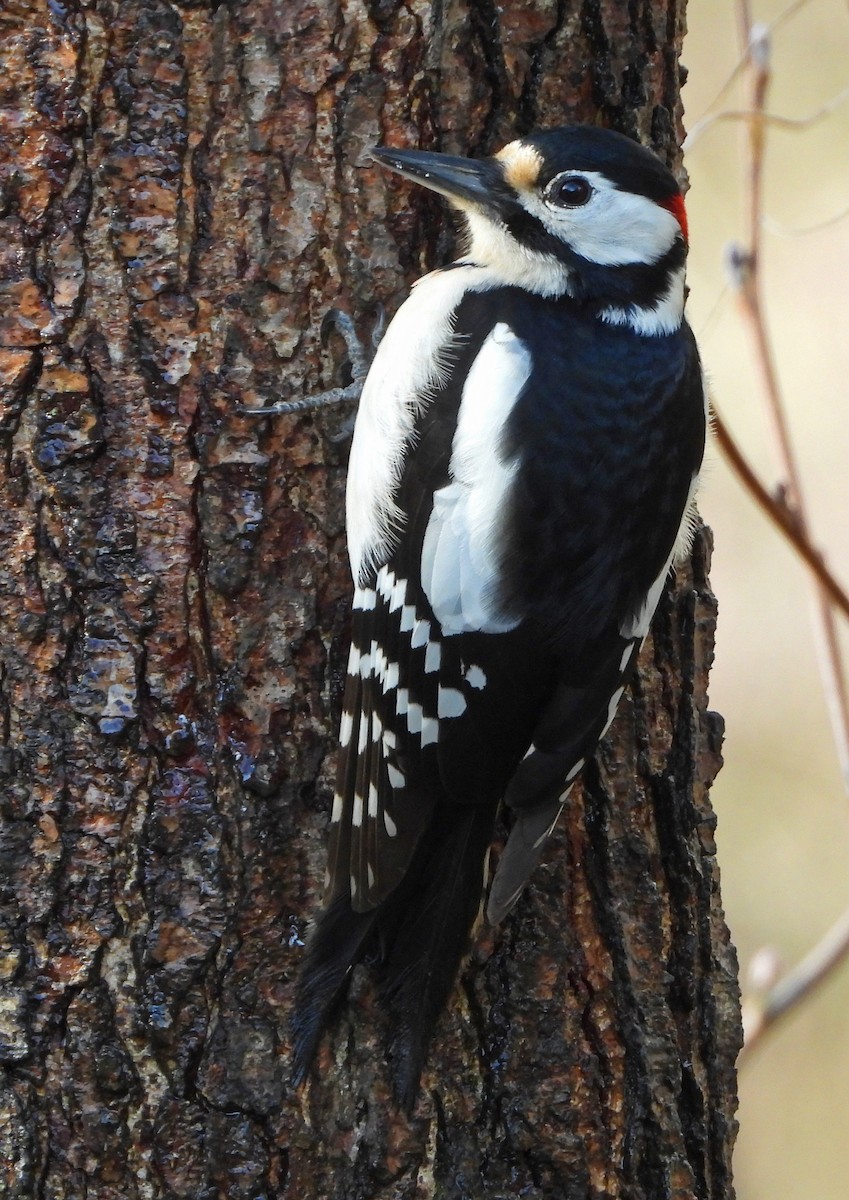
point(783, 813)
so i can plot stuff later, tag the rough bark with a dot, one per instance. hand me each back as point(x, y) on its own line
point(183, 192)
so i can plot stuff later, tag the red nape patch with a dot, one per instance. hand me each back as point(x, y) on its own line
point(675, 205)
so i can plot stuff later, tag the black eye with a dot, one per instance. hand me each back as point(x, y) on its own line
point(571, 192)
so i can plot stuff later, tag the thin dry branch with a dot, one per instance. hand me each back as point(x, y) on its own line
point(797, 231)
point(760, 1015)
point(778, 512)
point(745, 278)
point(785, 15)
point(789, 513)
point(782, 122)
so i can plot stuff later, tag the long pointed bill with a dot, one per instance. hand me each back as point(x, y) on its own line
point(468, 183)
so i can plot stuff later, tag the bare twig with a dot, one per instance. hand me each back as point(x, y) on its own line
point(743, 61)
point(745, 278)
point(778, 512)
point(759, 1015)
point(747, 114)
point(788, 510)
point(797, 231)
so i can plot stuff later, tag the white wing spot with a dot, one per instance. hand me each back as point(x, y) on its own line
point(475, 676)
point(408, 618)
point(450, 702)
point(399, 595)
point(430, 731)
point(362, 740)
point(365, 599)
point(421, 634)
point(626, 656)
point(402, 702)
point(346, 728)
point(414, 717)
point(396, 777)
point(370, 875)
point(391, 827)
point(433, 656)
point(390, 679)
point(385, 582)
point(357, 811)
point(338, 806)
point(353, 887)
point(372, 800)
point(354, 661)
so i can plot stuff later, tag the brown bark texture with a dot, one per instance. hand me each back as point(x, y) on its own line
point(184, 191)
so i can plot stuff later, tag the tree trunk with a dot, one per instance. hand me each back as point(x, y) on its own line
point(185, 191)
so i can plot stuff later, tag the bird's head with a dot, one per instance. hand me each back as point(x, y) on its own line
point(574, 211)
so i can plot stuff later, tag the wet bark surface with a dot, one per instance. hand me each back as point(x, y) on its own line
point(184, 191)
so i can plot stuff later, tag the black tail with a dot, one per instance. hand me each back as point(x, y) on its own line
point(338, 941)
point(420, 933)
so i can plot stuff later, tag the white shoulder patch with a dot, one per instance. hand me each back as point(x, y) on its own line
point(459, 556)
point(410, 361)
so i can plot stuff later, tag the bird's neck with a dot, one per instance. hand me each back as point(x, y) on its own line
point(648, 297)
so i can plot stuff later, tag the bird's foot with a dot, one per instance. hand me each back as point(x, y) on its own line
point(357, 364)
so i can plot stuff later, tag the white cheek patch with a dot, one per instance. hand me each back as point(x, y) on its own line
point(511, 263)
point(614, 229)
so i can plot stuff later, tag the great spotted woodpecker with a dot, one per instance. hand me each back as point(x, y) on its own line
point(522, 476)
